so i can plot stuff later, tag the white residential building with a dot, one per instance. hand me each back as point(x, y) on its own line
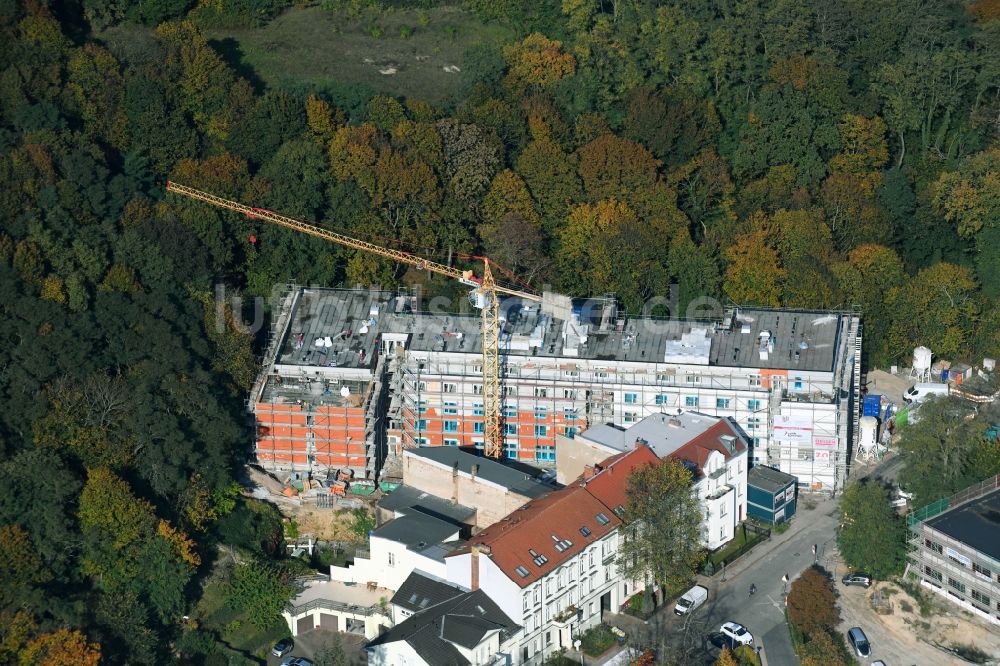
point(713, 447)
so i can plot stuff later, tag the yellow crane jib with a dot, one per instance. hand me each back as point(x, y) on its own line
point(484, 296)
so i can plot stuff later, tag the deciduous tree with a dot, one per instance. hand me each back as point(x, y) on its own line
point(661, 541)
point(871, 536)
point(812, 603)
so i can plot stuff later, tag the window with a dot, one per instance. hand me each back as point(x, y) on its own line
point(527, 597)
point(510, 412)
point(585, 531)
point(477, 389)
point(602, 519)
point(691, 401)
point(631, 417)
point(477, 409)
point(753, 405)
point(478, 428)
point(600, 374)
point(722, 403)
point(933, 573)
point(957, 561)
point(392, 559)
point(510, 449)
point(570, 432)
point(958, 585)
point(523, 573)
point(692, 379)
point(569, 394)
point(753, 380)
point(663, 399)
point(753, 423)
point(451, 426)
point(982, 571)
point(449, 388)
point(569, 414)
point(630, 398)
point(450, 408)
point(547, 453)
point(421, 386)
point(538, 558)
point(541, 392)
point(510, 428)
point(508, 390)
point(450, 442)
point(933, 545)
point(797, 384)
point(422, 407)
point(541, 431)
point(980, 597)
point(421, 424)
point(541, 412)
point(422, 441)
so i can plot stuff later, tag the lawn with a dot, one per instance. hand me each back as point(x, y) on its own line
point(316, 48)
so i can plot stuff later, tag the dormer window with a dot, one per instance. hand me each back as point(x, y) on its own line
point(602, 519)
point(585, 531)
point(522, 572)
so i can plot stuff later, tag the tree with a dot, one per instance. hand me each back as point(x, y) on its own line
point(871, 536)
point(61, 648)
point(754, 275)
point(661, 541)
point(822, 650)
point(260, 590)
point(536, 62)
point(936, 452)
point(612, 167)
point(970, 199)
point(362, 523)
point(726, 658)
point(937, 308)
point(551, 177)
point(331, 654)
point(872, 276)
point(812, 603)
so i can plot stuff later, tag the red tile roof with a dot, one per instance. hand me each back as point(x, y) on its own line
point(608, 485)
point(536, 526)
point(698, 449)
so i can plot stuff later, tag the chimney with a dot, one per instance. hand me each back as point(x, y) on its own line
point(454, 469)
point(589, 472)
point(475, 470)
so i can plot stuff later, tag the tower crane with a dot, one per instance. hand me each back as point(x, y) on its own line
point(483, 296)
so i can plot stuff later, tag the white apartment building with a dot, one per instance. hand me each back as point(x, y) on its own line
point(712, 447)
point(353, 372)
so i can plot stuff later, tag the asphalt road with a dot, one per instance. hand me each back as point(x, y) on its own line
point(763, 614)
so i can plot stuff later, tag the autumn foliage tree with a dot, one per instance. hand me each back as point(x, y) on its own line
point(537, 62)
point(61, 648)
point(812, 602)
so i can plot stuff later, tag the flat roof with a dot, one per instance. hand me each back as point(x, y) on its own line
point(417, 531)
point(769, 479)
point(663, 433)
point(975, 523)
point(340, 328)
point(517, 478)
point(407, 499)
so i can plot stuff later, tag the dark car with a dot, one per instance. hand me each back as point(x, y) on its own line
point(857, 578)
point(720, 640)
point(859, 642)
point(282, 647)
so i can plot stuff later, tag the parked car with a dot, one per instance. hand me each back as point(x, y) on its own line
point(690, 600)
point(859, 642)
point(857, 578)
point(737, 632)
point(296, 661)
point(720, 640)
point(282, 647)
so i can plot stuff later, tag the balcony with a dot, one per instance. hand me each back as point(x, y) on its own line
point(564, 617)
point(720, 492)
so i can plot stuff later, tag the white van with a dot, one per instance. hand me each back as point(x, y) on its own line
point(691, 599)
point(919, 392)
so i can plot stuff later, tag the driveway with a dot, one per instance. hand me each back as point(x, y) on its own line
point(311, 642)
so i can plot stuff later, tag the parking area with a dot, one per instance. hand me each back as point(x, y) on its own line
point(900, 636)
point(311, 642)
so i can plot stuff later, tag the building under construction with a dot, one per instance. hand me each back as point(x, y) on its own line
point(353, 375)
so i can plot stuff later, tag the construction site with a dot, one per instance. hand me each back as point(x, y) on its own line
point(353, 377)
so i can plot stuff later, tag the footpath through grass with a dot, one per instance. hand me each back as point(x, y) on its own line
point(318, 48)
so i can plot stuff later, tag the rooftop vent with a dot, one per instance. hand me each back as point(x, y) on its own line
point(674, 422)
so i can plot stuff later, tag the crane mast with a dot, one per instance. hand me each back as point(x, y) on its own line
point(484, 296)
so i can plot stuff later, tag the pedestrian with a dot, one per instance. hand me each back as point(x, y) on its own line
point(753, 589)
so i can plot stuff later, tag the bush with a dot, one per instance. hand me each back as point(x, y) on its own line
point(596, 640)
point(375, 31)
point(405, 32)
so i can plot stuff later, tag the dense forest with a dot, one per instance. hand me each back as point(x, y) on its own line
point(799, 153)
